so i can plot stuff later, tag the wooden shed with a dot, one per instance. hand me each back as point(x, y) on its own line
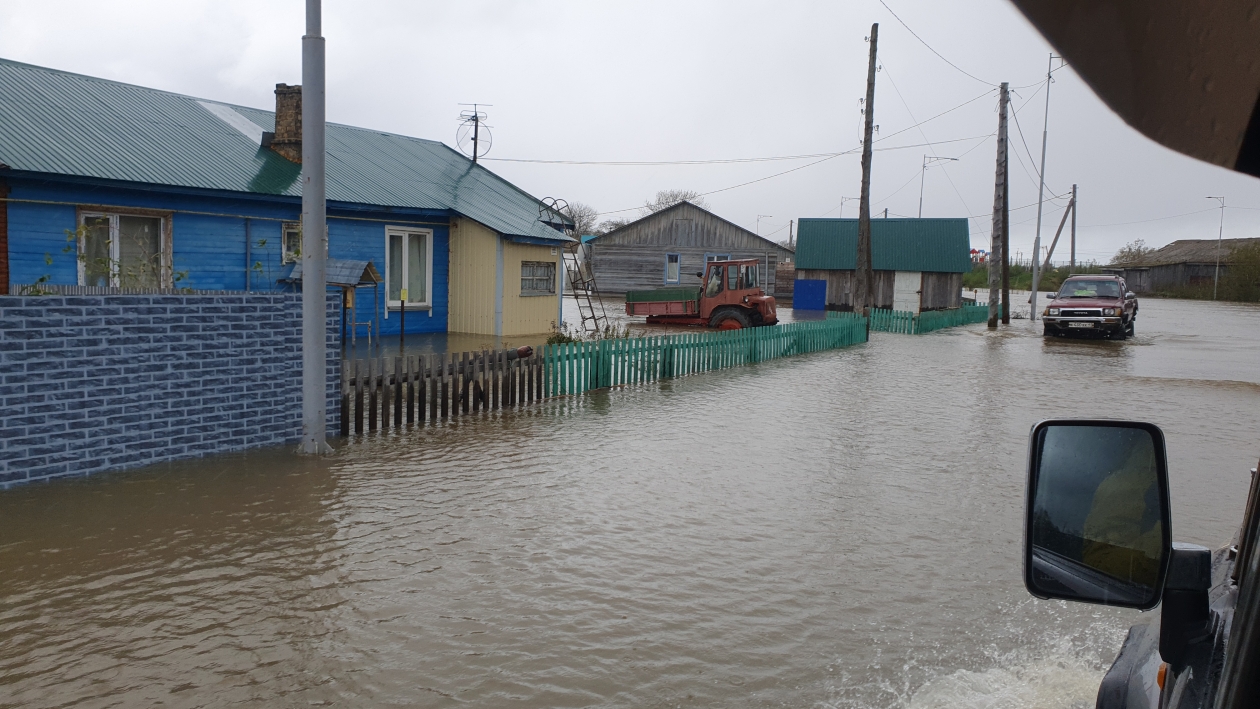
point(668, 248)
point(918, 263)
point(1183, 263)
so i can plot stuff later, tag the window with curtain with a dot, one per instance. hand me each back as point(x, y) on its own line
point(291, 235)
point(408, 265)
point(122, 250)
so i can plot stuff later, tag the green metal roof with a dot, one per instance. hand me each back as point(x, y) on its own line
point(940, 245)
point(69, 124)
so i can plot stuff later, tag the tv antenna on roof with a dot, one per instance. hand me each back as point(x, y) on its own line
point(473, 135)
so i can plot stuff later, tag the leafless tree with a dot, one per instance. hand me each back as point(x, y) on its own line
point(668, 198)
point(609, 225)
point(584, 217)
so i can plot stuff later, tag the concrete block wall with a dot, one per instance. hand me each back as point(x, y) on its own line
point(96, 383)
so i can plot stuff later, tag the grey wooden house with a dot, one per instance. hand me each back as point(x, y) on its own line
point(918, 263)
point(1184, 263)
point(668, 248)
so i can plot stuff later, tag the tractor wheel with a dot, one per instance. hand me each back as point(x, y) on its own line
point(729, 319)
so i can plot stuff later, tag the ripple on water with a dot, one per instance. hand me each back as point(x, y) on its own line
point(839, 529)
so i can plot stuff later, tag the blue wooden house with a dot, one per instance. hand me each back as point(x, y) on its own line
point(113, 185)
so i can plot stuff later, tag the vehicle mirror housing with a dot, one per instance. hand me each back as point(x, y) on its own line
point(1097, 527)
point(1130, 295)
point(699, 274)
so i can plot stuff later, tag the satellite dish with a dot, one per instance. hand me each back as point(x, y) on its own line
point(473, 135)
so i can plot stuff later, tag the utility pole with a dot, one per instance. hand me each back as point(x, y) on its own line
point(1006, 238)
point(997, 253)
point(1072, 263)
point(865, 275)
point(314, 235)
point(1070, 211)
point(759, 218)
point(791, 241)
point(1041, 189)
point(1216, 280)
point(927, 160)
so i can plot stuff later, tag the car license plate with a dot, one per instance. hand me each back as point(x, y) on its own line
point(1080, 324)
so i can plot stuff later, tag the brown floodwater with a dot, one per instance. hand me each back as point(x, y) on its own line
point(833, 530)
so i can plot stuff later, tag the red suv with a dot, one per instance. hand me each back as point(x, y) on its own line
point(1099, 304)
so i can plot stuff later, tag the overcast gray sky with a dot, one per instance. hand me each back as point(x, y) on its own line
point(681, 80)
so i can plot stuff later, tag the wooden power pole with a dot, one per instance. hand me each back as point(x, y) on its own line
point(1072, 263)
point(997, 252)
point(1006, 246)
point(865, 275)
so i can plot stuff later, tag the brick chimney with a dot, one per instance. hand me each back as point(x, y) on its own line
point(287, 140)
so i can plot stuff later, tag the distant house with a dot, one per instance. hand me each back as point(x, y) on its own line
point(110, 184)
point(670, 246)
point(1183, 263)
point(918, 263)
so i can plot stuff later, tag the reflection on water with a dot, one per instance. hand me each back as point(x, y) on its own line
point(840, 529)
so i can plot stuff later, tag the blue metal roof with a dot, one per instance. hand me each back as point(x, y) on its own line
point(939, 245)
point(69, 124)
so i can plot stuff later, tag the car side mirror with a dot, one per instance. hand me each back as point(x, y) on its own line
point(1129, 295)
point(1097, 524)
point(699, 274)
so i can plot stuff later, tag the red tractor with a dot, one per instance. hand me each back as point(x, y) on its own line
point(729, 298)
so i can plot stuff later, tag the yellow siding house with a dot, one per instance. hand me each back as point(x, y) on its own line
point(500, 286)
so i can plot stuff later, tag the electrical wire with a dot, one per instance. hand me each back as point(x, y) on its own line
point(825, 159)
point(1156, 219)
point(719, 161)
point(924, 134)
point(930, 49)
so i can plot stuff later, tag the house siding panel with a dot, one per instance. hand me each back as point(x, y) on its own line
point(472, 269)
point(527, 314)
point(208, 250)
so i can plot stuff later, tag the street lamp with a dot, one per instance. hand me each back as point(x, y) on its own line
point(759, 218)
point(1219, 233)
point(928, 160)
point(846, 199)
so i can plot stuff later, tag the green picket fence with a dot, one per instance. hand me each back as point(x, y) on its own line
point(575, 367)
point(908, 323)
point(939, 319)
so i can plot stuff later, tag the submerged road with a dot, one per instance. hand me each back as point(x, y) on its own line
point(834, 530)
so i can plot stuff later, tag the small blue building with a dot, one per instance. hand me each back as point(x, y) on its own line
point(110, 184)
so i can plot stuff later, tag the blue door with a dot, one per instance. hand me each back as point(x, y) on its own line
point(810, 295)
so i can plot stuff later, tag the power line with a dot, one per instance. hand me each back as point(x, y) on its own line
point(938, 54)
point(1156, 219)
point(715, 161)
point(924, 134)
point(825, 159)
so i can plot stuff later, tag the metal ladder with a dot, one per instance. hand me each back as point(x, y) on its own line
point(581, 277)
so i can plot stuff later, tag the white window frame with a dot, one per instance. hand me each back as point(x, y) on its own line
point(115, 245)
point(679, 278)
point(428, 276)
point(287, 256)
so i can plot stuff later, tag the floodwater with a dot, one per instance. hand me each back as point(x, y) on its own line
point(834, 530)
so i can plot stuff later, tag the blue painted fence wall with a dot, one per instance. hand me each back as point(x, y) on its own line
point(97, 383)
point(211, 250)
